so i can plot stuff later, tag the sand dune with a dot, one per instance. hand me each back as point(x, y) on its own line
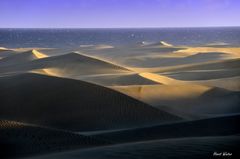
point(204, 74)
point(186, 100)
point(3, 49)
point(231, 83)
point(75, 64)
point(178, 140)
point(194, 148)
point(131, 55)
point(203, 71)
point(38, 54)
point(166, 60)
point(211, 103)
point(49, 72)
point(209, 56)
point(72, 104)
point(160, 79)
point(220, 126)
point(212, 65)
point(20, 139)
point(72, 64)
point(165, 56)
point(194, 50)
point(154, 94)
point(143, 101)
point(7, 53)
point(21, 58)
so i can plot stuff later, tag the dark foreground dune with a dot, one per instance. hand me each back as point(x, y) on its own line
point(72, 104)
point(220, 126)
point(181, 148)
point(195, 139)
point(20, 139)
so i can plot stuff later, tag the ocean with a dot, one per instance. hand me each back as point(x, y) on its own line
point(69, 38)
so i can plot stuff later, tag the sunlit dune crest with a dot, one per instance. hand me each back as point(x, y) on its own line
point(13, 58)
point(165, 43)
point(39, 54)
point(3, 49)
point(158, 78)
point(52, 72)
point(48, 71)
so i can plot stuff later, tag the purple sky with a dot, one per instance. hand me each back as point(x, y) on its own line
point(118, 13)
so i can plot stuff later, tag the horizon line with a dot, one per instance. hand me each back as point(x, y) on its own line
point(118, 27)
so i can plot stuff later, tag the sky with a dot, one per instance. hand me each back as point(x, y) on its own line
point(118, 13)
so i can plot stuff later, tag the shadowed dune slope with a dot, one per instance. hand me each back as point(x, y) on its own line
point(153, 94)
point(212, 65)
point(204, 74)
point(19, 139)
point(183, 148)
point(72, 104)
point(223, 64)
point(186, 100)
point(213, 102)
point(232, 83)
point(6, 53)
point(71, 64)
point(21, 58)
point(220, 126)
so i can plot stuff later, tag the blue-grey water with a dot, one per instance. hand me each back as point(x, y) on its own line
point(67, 38)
